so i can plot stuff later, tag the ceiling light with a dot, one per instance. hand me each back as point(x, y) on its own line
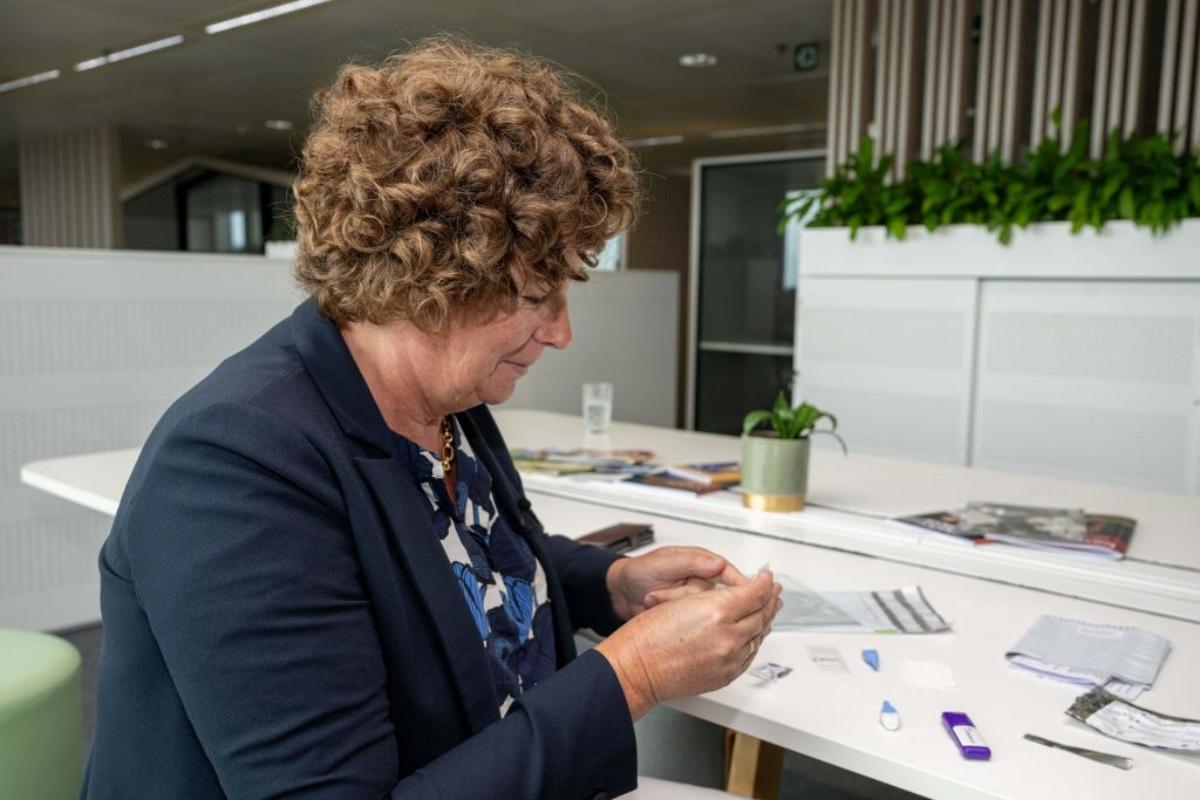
point(156, 144)
point(698, 60)
point(653, 141)
point(29, 80)
point(279, 124)
point(769, 130)
point(259, 16)
point(129, 52)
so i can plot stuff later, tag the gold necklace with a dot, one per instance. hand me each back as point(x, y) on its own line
point(447, 447)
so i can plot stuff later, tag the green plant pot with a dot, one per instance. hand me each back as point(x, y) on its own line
point(774, 472)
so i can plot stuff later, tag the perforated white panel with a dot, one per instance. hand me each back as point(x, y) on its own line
point(1099, 346)
point(912, 425)
point(1092, 380)
point(924, 339)
point(94, 345)
point(48, 553)
point(57, 335)
point(892, 359)
point(1127, 447)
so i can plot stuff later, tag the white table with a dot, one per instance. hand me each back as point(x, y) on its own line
point(1161, 574)
point(834, 717)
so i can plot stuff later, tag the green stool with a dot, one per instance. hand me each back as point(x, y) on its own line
point(41, 727)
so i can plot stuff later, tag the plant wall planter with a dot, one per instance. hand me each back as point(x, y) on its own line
point(1043, 250)
point(1059, 354)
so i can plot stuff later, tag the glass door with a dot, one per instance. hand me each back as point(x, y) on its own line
point(744, 294)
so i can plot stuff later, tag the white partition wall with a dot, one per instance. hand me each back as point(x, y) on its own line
point(625, 328)
point(95, 344)
point(893, 362)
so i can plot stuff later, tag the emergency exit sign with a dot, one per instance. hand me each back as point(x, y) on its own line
point(806, 57)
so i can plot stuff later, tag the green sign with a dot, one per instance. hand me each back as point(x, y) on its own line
point(806, 57)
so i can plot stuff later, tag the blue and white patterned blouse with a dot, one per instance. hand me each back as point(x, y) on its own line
point(502, 583)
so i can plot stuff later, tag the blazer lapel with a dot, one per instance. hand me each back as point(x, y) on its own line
point(403, 508)
point(406, 515)
point(509, 495)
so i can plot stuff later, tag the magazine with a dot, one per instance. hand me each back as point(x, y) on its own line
point(1059, 529)
point(559, 461)
point(663, 480)
point(722, 473)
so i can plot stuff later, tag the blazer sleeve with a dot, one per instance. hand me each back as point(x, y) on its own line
point(582, 569)
point(244, 565)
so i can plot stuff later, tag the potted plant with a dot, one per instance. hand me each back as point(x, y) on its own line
point(775, 457)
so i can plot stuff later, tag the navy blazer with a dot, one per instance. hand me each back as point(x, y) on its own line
point(280, 617)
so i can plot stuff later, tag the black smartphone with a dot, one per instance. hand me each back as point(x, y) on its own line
point(622, 537)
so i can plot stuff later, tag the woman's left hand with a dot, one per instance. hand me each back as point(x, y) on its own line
point(642, 582)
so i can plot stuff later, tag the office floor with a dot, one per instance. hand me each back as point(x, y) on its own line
point(803, 778)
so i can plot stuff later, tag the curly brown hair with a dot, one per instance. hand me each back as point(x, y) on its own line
point(429, 180)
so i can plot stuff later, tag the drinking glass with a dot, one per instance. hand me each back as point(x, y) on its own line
point(597, 406)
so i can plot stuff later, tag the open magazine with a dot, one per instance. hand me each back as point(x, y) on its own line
point(1060, 529)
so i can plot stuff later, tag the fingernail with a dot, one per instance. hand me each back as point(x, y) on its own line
point(712, 563)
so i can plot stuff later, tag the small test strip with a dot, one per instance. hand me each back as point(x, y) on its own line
point(962, 730)
point(827, 659)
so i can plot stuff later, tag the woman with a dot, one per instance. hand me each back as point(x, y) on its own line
point(324, 579)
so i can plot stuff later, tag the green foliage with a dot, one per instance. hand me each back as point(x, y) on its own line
point(793, 423)
point(1137, 178)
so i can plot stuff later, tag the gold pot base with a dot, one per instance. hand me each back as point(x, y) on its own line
point(773, 502)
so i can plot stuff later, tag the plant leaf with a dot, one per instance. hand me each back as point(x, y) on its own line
point(754, 419)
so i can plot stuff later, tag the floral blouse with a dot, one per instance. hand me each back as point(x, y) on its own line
point(502, 583)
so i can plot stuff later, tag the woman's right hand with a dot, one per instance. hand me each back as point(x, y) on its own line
point(691, 645)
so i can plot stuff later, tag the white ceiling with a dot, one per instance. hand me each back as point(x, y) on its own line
point(211, 94)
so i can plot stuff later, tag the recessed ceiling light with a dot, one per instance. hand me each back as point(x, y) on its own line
point(653, 141)
point(129, 52)
point(259, 16)
point(29, 80)
point(698, 60)
point(156, 144)
point(279, 124)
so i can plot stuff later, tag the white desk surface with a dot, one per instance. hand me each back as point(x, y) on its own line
point(94, 480)
point(1161, 574)
point(834, 717)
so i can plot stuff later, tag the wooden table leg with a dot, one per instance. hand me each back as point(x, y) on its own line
point(753, 768)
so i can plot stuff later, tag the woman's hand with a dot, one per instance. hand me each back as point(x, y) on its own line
point(692, 645)
point(669, 573)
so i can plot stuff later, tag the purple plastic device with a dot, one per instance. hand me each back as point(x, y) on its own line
point(963, 732)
